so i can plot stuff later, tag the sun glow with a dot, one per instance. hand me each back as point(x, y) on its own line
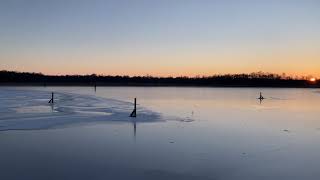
point(312, 79)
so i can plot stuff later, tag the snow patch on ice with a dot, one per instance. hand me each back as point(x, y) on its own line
point(29, 110)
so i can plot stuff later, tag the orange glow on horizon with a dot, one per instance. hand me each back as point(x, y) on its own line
point(312, 79)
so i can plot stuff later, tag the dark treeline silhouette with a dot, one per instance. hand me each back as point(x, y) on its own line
point(259, 79)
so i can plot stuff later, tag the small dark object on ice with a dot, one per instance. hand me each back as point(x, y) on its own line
point(51, 100)
point(261, 97)
point(134, 112)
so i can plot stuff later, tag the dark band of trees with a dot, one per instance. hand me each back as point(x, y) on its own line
point(229, 80)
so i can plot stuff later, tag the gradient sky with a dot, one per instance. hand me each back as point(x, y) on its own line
point(160, 37)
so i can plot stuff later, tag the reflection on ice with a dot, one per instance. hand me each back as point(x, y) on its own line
point(35, 109)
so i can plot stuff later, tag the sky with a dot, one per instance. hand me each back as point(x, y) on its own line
point(160, 37)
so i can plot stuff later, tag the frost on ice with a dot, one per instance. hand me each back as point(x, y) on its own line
point(29, 110)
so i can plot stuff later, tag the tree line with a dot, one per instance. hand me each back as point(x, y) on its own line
point(258, 79)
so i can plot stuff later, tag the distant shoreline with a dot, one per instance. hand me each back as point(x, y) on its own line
point(260, 79)
point(144, 85)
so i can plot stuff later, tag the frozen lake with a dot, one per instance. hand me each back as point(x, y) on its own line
point(180, 133)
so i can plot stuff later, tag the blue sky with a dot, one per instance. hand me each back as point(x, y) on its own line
point(174, 37)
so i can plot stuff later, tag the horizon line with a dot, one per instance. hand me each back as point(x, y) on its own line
point(282, 75)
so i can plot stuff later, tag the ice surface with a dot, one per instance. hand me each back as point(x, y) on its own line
point(233, 136)
point(29, 110)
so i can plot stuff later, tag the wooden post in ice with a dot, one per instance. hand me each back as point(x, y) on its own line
point(51, 100)
point(95, 87)
point(134, 112)
point(261, 97)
